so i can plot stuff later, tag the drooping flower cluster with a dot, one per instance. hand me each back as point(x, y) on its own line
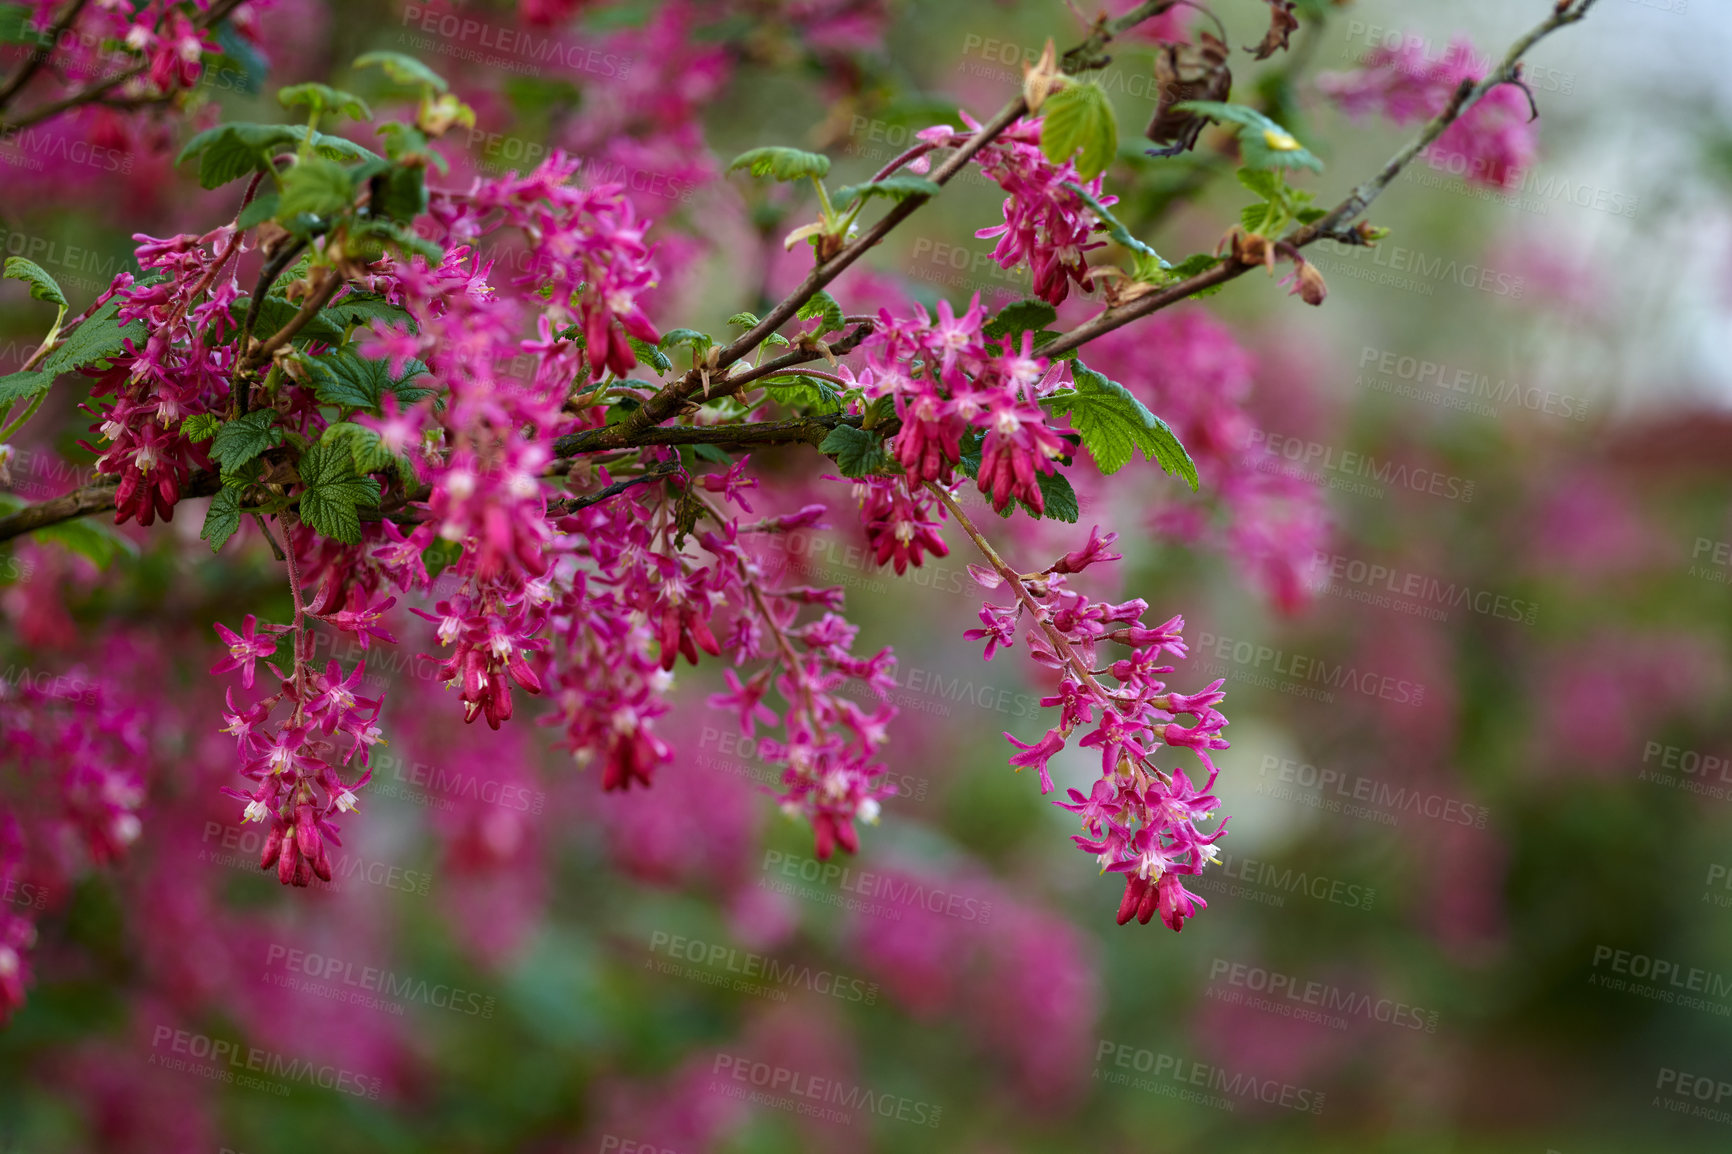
point(1139, 819)
point(1046, 225)
point(298, 767)
point(176, 365)
point(1492, 144)
point(71, 757)
point(829, 774)
point(950, 386)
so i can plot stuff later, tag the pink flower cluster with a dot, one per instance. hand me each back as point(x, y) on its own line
point(1046, 226)
point(1493, 144)
point(947, 383)
point(298, 767)
point(1138, 819)
point(71, 759)
point(178, 368)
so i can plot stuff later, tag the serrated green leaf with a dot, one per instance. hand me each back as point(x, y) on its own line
point(858, 452)
point(352, 381)
point(1193, 265)
point(701, 343)
point(1264, 183)
point(714, 454)
point(364, 308)
point(1019, 317)
point(1078, 120)
point(324, 98)
point(200, 427)
point(823, 305)
point(812, 394)
point(747, 321)
point(315, 188)
point(1058, 497)
point(1310, 215)
point(99, 338)
point(1114, 425)
point(395, 233)
point(403, 69)
point(367, 451)
point(1263, 144)
point(648, 354)
point(245, 437)
point(276, 311)
point(223, 517)
point(898, 187)
point(42, 286)
point(230, 151)
point(783, 163)
point(334, 493)
point(17, 386)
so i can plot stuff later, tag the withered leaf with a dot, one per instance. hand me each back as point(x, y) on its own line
point(1187, 72)
point(1282, 22)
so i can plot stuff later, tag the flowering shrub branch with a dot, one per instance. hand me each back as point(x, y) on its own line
point(358, 396)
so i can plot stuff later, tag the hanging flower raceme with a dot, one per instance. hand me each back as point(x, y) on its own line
point(957, 395)
point(1138, 819)
point(1046, 225)
point(297, 767)
point(175, 366)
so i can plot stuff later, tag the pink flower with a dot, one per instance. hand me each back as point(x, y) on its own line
point(245, 648)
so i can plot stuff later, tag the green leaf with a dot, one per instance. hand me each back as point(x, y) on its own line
point(1263, 144)
point(400, 192)
point(747, 321)
point(858, 453)
point(200, 427)
point(16, 26)
point(324, 98)
point(91, 539)
point(224, 515)
point(1264, 183)
point(354, 382)
point(367, 451)
point(823, 305)
point(1114, 425)
point(17, 386)
point(1193, 265)
point(404, 69)
point(230, 151)
point(1019, 317)
point(316, 188)
point(259, 209)
point(898, 187)
point(440, 555)
point(98, 339)
point(244, 438)
point(1078, 118)
point(276, 311)
point(394, 232)
point(1058, 497)
point(1310, 215)
point(714, 454)
point(42, 286)
point(795, 390)
point(783, 163)
point(878, 412)
point(701, 343)
point(648, 354)
point(334, 493)
point(364, 308)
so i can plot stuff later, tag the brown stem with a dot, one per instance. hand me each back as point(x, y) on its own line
point(240, 388)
